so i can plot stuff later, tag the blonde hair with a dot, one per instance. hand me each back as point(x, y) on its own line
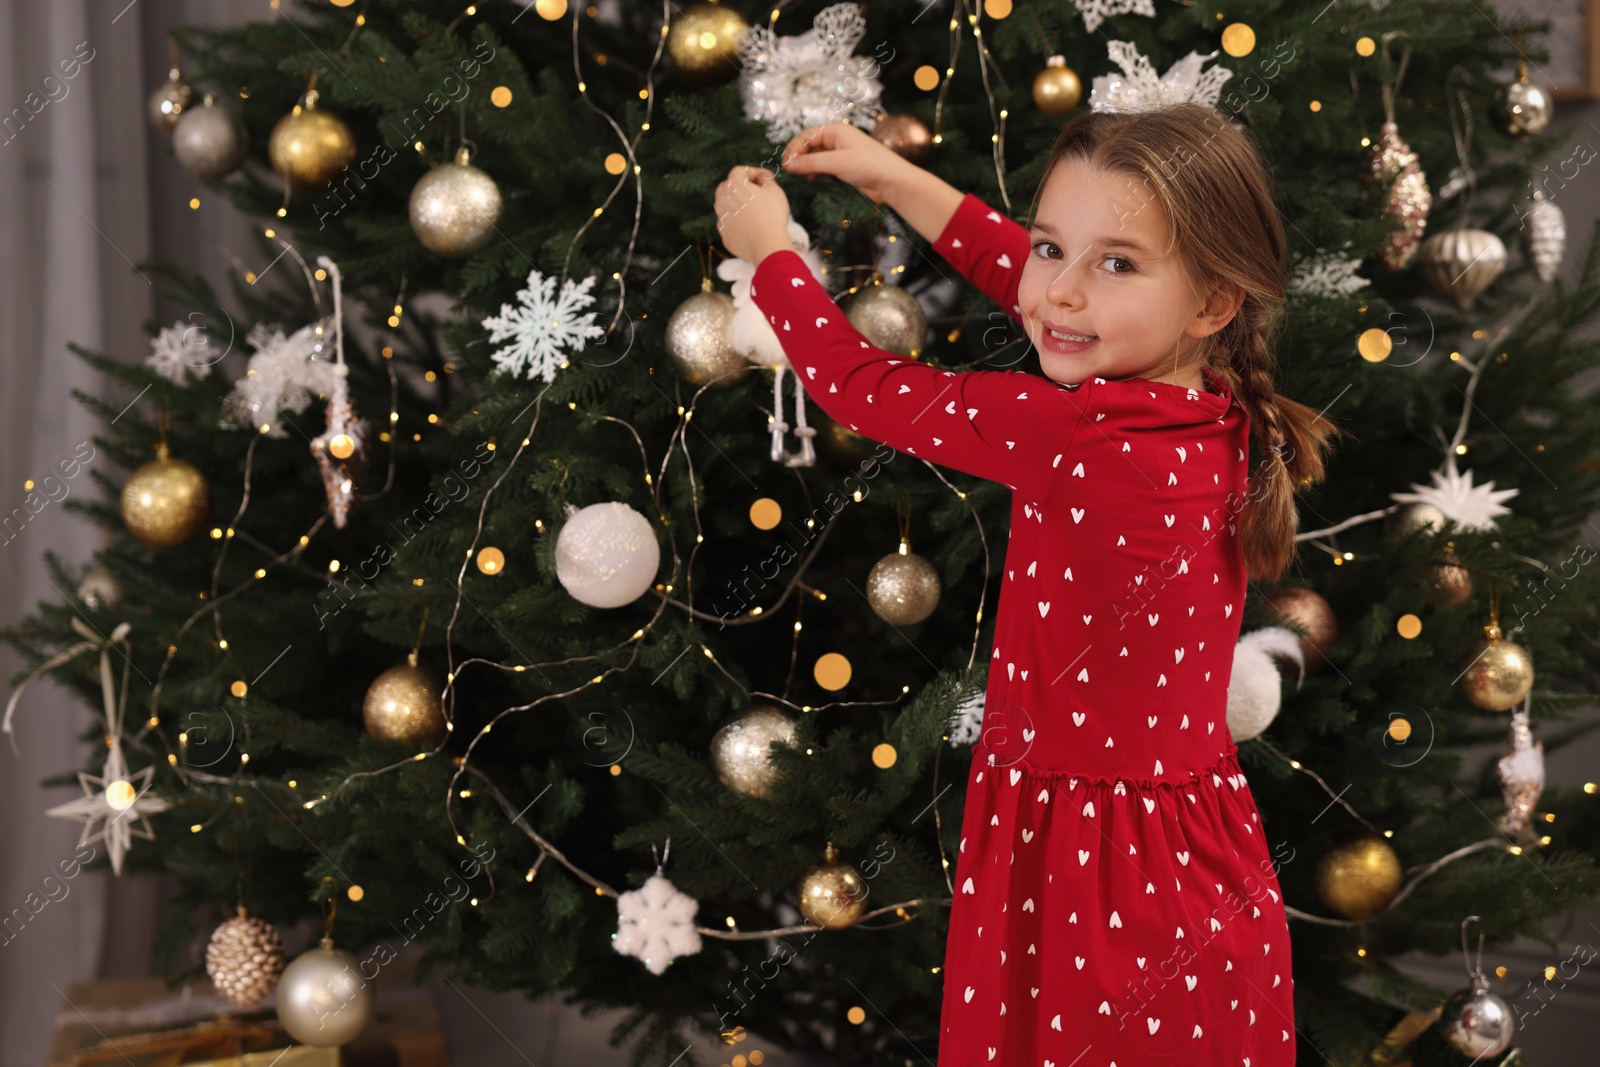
point(1210, 179)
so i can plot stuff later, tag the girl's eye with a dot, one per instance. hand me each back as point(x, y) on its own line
point(1119, 259)
point(1038, 244)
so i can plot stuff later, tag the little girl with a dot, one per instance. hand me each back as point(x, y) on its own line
point(1116, 901)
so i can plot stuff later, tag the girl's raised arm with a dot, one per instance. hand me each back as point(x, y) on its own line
point(1005, 426)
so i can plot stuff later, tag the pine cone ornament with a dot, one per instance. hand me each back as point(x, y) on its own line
point(244, 959)
point(1545, 239)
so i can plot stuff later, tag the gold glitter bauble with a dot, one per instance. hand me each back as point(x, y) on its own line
point(168, 100)
point(832, 894)
point(1521, 109)
point(1500, 674)
point(210, 141)
point(455, 208)
point(889, 317)
point(739, 751)
point(402, 706)
point(1393, 169)
point(166, 501)
point(309, 146)
point(1412, 518)
point(244, 959)
point(907, 135)
point(700, 339)
point(1057, 89)
point(1305, 610)
point(1462, 263)
point(703, 41)
point(903, 588)
point(1359, 878)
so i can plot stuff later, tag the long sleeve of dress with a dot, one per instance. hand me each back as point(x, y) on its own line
point(1006, 426)
point(988, 249)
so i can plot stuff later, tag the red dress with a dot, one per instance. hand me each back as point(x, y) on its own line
point(1116, 899)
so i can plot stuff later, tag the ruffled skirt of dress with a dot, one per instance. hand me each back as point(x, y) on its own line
point(1098, 922)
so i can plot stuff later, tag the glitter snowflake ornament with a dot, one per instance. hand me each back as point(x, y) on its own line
point(1138, 88)
point(542, 326)
point(1471, 507)
point(1095, 12)
point(1328, 275)
point(182, 349)
point(284, 374)
point(656, 923)
point(810, 79)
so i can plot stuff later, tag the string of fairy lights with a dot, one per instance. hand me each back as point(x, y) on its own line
point(490, 560)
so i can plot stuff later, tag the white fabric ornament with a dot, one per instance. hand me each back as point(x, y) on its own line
point(656, 923)
point(1138, 88)
point(810, 79)
point(345, 433)
point(284, 374)
point(1544, 237)
point(1095, 12)
point(606, 554)
point(967, 723)
point(541, 326)
point(1471, 507)
point(1521, 777)
point(1328, 276)
point(182, 349)
point(1255, 690)
point(754, 339)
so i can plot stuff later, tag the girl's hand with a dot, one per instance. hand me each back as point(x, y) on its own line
point(752, 214)
point(850, 154)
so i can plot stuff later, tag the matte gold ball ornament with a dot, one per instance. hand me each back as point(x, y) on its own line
point(244, 959)
point(888, 316)
point(1500, 673)
point(831, 894)
point(310, 145)
point(1461, 263)
point(1415, 517)
point(1057, 89)
point(907, 135)
point(1358, 878)
point(100, 589)
point(1305, 610)
point(740, 750)
point(402, 707)
point(903, 587)
point(703, 42)
point(700, 339)
point(455, 208)
point(322, 998)
point(166, 501)
point(168, 101)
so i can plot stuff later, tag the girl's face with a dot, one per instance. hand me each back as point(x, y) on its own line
point(1097, 267)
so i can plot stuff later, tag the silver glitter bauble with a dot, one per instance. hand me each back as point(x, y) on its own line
point(1522, 109)
point(210, 141)
point(168, 101)
point(1394, 169)
point(1476, 1022)
point(1544, 238)
point(889, 317)
point(739, 751)
point(100, 590)
point(244, 959)
point(607, 555)
point(455, 208)
point(903, 588)
point(1462, 263)
point(700, 339)
point(1412, 518)
point(322, 998)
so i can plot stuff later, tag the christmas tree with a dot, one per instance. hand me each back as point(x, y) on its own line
point(470, 627)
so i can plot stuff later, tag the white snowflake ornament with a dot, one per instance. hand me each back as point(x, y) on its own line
point(1095, 12)
point(1471, 507)
point(181, 349)
point(966, 725)
point(656, 923)
point(118, 802)
point(1328, 276)
point(541, 326)
point(810, 79)
point(1138, 88)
